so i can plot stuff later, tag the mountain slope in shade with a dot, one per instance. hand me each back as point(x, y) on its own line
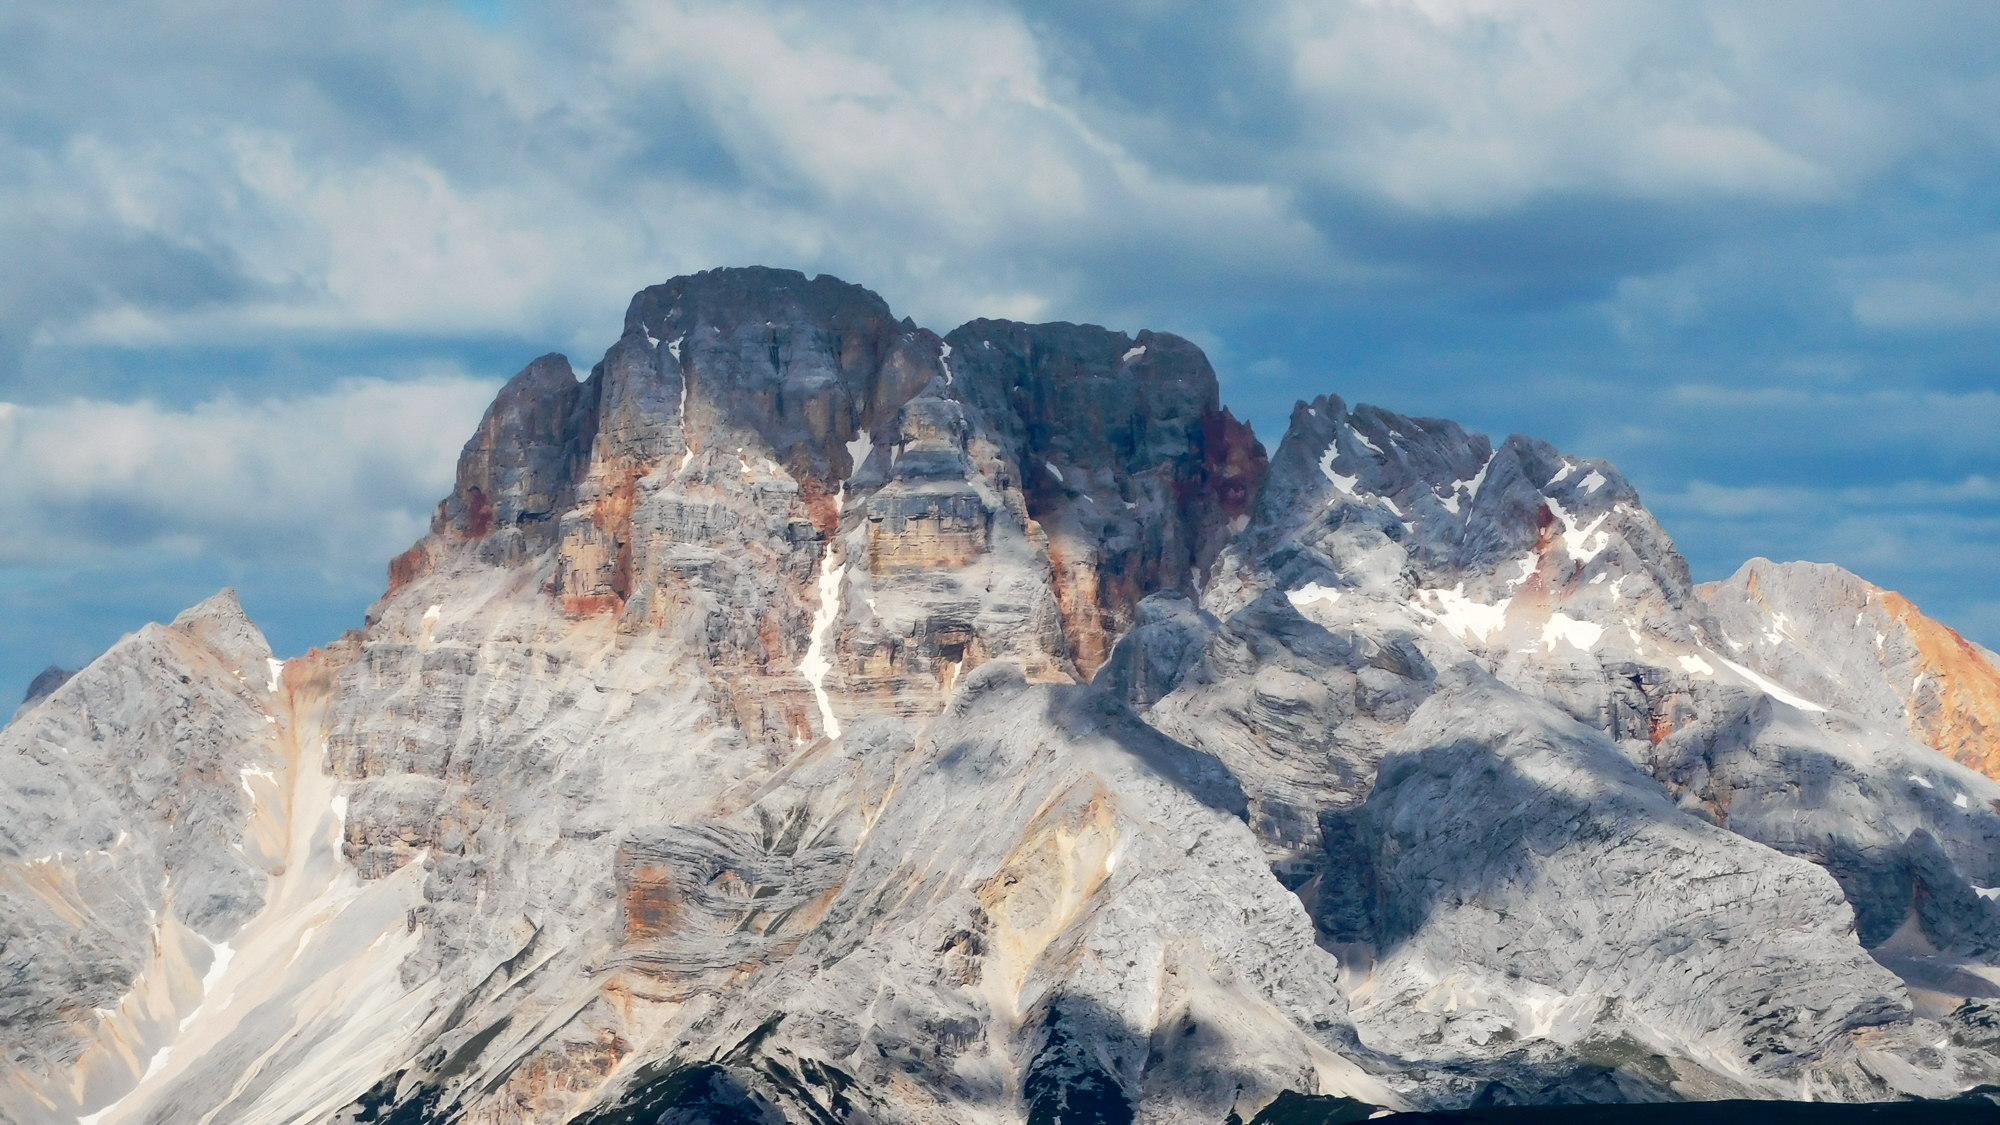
point(1823, 632)
point(806, 717)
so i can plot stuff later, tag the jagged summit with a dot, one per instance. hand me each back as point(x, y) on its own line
point(46, 682)
point(1827, 634)
point(1109, 458)
point(806, 717)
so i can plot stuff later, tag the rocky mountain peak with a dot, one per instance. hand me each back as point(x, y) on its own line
point(220, 623)
point(1828, 634)
point(806, 717)
point(46, 682)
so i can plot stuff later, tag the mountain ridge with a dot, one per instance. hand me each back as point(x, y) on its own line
point(803, 716)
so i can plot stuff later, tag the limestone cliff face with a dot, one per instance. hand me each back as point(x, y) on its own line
point(140, 831)
point(806, 717)
point(1131, 470)
point(1827, 634)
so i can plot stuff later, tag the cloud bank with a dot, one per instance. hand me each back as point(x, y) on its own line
point(1745, 249)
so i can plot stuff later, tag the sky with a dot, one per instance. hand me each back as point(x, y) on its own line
point(262, 265)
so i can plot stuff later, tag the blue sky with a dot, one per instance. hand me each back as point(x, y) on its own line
point(262, 265)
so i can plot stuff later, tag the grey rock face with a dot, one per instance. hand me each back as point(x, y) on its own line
point(46, 683)
point(1596, 616)
point(1826, 634)
point(131, 842)
point(41, 687)
point(804, 717)
point(1620, 917)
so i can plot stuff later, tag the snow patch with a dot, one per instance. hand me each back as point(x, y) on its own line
point(277, 668)
point(1363, 439)
point(1592, 482)
point(1987, 892)
point(219, 965)
point(815, 665)
point(858, 451)
point(1577, 541)
point(1133, 354)
point(243, 777)
point(1460, 615)
point(1469, 486)
point(1312, 592)
point(685, 381)
point(1772, 689)
point(1478, 478)
point(1563, 627)
point(1345, 484)
point(1923, 781)
point(1053, 471)
point(674, 349)
point(1563, 472)
point(1527, 571)
point(1961, 802)
point(1696, 664)
point(944, 360)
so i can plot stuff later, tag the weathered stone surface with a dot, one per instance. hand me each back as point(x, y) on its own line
point(134, 836)
point(1826, 634)
point(1530, 883)
point(1129, 464)
point(45, 683)
point(1595, 615)
point(804, 717)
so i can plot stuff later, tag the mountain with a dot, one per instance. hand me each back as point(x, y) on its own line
point(808, 718)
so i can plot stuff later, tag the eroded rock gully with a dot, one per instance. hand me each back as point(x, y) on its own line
point(806, 717)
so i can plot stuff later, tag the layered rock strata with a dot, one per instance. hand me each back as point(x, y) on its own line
point(805, 717)
point(1826, 634)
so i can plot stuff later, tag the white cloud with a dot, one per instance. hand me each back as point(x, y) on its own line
point(1932, 287)
point(1354, 173)
point(399, 170)
point(1719, 501)
point(1932, 539)
point(917, 151)
point(334, 482)
point(1473, 107)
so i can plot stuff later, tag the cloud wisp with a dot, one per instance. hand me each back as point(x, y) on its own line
point(1733, 247)
point(375, 167)
point(300, 501)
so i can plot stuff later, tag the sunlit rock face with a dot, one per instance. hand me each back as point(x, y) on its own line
point(803, 717)
point(1827, 634)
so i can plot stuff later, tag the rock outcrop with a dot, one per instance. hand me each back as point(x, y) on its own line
point(1826, 634)
point(806, 717)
